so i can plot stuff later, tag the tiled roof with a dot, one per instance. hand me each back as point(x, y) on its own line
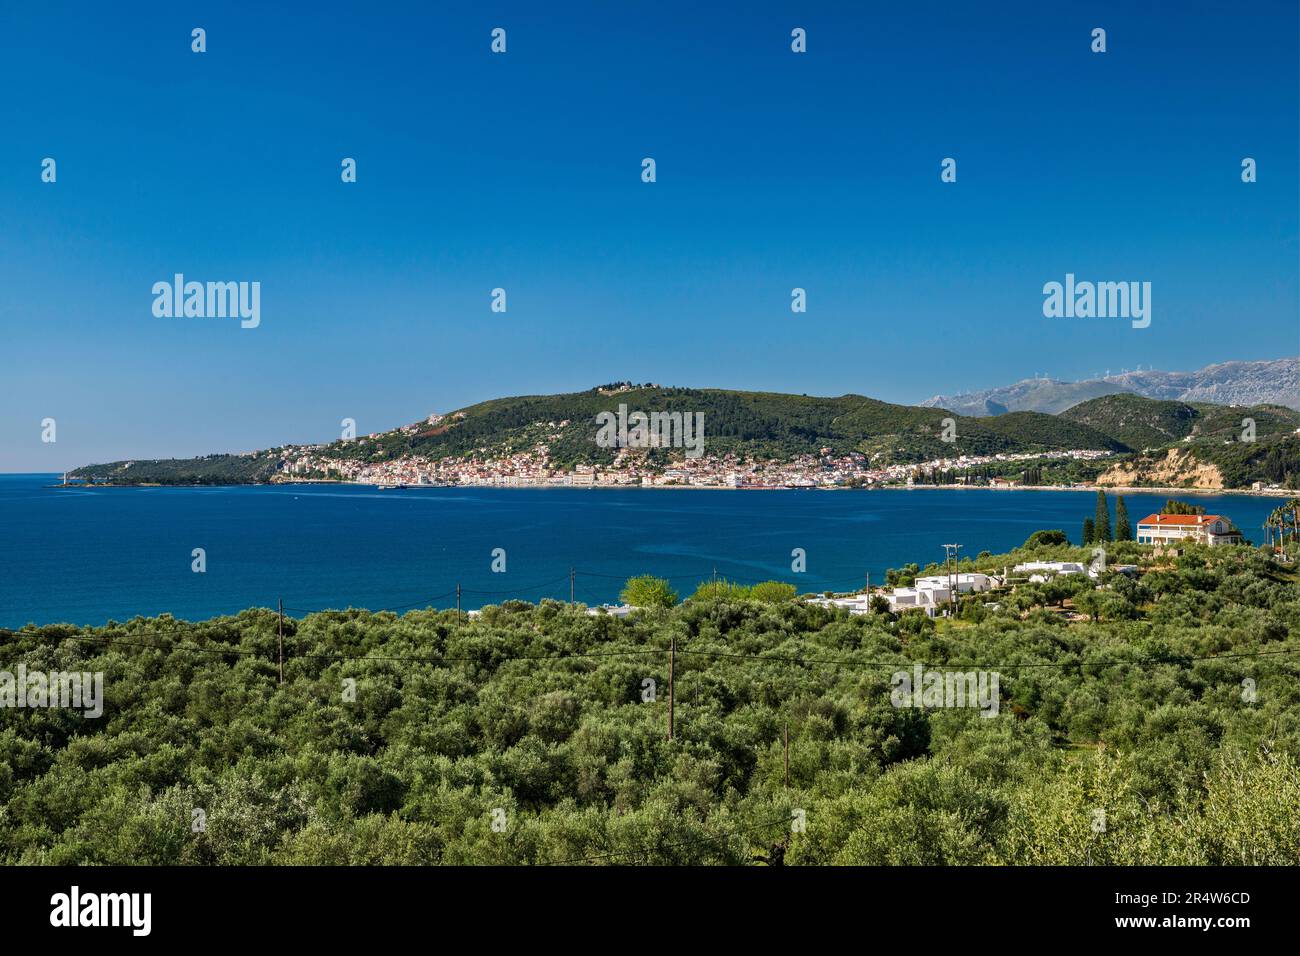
point(1177, 520)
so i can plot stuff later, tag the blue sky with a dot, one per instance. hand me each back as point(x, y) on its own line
point(522, 171)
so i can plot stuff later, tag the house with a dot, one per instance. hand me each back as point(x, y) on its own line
point(1040, 570)
point(964, 582)
point(614, 610)
point(1204, 529)
point(929, 600)
point(854, 603)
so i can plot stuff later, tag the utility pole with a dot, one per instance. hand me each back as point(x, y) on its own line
point(787, 755)
point(949, 559)
point(570, 587)
point(280, 636)
point(458, 604)
point(672, 654)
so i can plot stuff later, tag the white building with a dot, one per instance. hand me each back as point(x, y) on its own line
point(614, 610)
point(964, 583)
point(854, 603)
point(1172, 529)
point(1040, 571)
point(927, 599)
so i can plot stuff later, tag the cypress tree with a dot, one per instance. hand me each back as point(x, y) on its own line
point(1089, 531)
point(1123, 530)
point(1101, 523)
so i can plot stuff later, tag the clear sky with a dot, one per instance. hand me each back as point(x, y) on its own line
point(523, 171)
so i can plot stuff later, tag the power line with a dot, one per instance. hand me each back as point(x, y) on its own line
point(652, 651)
point(424, 602)
point(571, 578)
point(567, 655)
point(849, 662)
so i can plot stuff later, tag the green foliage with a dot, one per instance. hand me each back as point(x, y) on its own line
point(767, 592)
point(1045, 538)
point(1123, 527)
point(773, 592)
point(648, 591)
point(1121, 696)
point(1101, 521)
point(1146, 423)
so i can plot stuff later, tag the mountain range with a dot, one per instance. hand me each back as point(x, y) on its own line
point(1271, 382)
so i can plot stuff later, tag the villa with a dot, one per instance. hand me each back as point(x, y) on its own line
point(1171, 529)
point(1040, 571)
point(928, 599)
point(963, 582)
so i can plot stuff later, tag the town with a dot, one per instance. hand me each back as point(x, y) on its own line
point(634, 467)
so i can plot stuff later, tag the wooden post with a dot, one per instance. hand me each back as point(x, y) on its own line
point(280, 636)
point(672, 654)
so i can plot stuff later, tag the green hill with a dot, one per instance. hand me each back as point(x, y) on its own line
point(1136, 421)
point(761, 425)
point(1148, 423)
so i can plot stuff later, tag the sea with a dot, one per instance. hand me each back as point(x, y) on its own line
point(94, 555)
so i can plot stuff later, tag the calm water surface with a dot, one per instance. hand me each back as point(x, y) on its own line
point(95, 554)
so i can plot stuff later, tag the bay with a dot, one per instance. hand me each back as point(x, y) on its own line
point(90, 555)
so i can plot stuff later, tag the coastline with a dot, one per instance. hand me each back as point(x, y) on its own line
point(1280, 493)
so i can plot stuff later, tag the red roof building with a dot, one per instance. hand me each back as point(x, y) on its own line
point(1206, 529)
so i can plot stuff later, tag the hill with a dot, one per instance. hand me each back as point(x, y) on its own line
point(1196, 444)
point(1136, 421)
point(752, 425)
point(1191, 444)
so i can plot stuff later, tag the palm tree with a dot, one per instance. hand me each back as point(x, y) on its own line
point(1279, 519)
point(1270, 521)
point(1287, 517)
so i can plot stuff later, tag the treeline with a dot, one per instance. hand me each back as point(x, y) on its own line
point(1167, 707)
point(1099, 530)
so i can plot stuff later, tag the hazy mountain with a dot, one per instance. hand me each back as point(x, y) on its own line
point(1275, 382)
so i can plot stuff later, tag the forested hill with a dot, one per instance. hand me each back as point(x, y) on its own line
point(780, 427)
point(1237, 444)
point(1147, 423)
point(764, 425)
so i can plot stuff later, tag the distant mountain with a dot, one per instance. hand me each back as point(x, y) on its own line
point(1275, 382)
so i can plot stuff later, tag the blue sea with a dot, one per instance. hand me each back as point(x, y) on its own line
point(90, 555)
